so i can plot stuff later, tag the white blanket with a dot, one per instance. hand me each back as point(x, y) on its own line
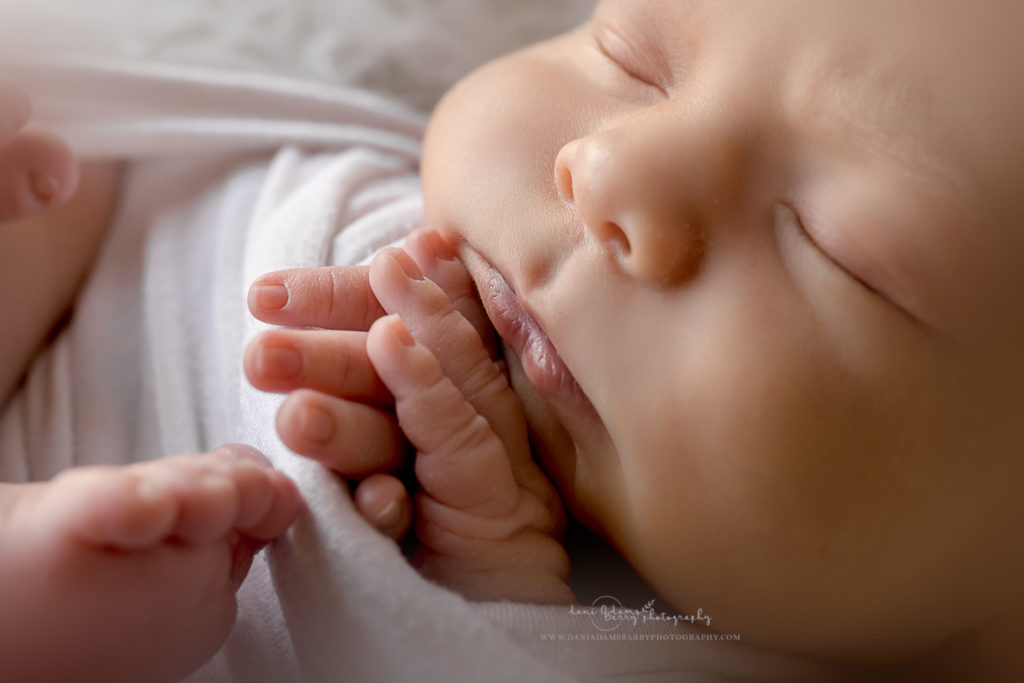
point(231, 176)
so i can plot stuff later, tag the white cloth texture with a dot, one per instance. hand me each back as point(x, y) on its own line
point(412, 49)
point(232, 175)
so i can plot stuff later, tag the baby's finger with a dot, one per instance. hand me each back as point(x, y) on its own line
point(427, 311)
point(15, 110)
point(353, 439)
point(460, 461)
point(333, 297)
point(383, 501)
point(436, 257)
point(37, 171)
point(329, 361)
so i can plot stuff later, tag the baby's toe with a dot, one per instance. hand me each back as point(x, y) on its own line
point(37, 171)
point(249, 472)
point(208, 499)
point(190, 498)
point(284, 507)
point(15, 110)
point(111, 507)
point(268, 501)
point(231, 490)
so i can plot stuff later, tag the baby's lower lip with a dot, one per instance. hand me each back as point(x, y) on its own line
point(544, 368)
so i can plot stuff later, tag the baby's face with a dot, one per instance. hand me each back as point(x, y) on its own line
point(777, 246)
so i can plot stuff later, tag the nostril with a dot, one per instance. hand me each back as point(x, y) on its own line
point(614, 239)
point(563, 183)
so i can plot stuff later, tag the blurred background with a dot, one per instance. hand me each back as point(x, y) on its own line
point(411, 49)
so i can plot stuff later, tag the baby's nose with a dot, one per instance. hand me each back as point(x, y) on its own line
point(648, 188)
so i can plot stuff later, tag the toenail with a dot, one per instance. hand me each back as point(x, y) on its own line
point(408, 266)
point(279, 361)
point(215, 482)
point(243, 452)
point(151, 491)
point(317, 424)
point(270, 297)
point(44, 186)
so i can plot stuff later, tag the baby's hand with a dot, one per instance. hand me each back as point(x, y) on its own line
point(488, 531)
point(37, 170)
point(486, 516)
point(338, 411)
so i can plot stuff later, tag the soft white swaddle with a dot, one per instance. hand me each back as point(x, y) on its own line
point(233, 174)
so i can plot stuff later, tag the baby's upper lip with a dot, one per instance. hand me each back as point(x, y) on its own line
point(523, 330)
point(512, 314)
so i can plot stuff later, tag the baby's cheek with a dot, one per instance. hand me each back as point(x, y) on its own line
point(783, 523)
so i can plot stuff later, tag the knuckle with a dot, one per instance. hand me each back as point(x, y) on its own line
point(467, 305)
point(471, 433)
point(539, 515)
point(429, 388)
point(335, 289)
point(462, 427)
point(461, 289)
point(485, 382)
point(434, 306)
point(524, 517)
point(341, 371)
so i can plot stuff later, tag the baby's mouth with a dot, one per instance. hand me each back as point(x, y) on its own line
point(523, 335)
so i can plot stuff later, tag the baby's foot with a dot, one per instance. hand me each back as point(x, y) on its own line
point(486, 517)
point(130, 573)
point(37, 170)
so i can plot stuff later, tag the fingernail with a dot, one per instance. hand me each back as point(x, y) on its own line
point(270, 296)
point(43, 186)
point(409, 267)
point(440, 245)
point(317, 425)
point(282, 362)
point(402, 332)
point(215, 482)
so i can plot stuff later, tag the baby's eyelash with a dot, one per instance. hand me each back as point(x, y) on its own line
point(611, 58)
point(787, 212)
point(601, 38)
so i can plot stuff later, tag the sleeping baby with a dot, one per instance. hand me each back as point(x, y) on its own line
point(749, 277)
point(733, 284)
